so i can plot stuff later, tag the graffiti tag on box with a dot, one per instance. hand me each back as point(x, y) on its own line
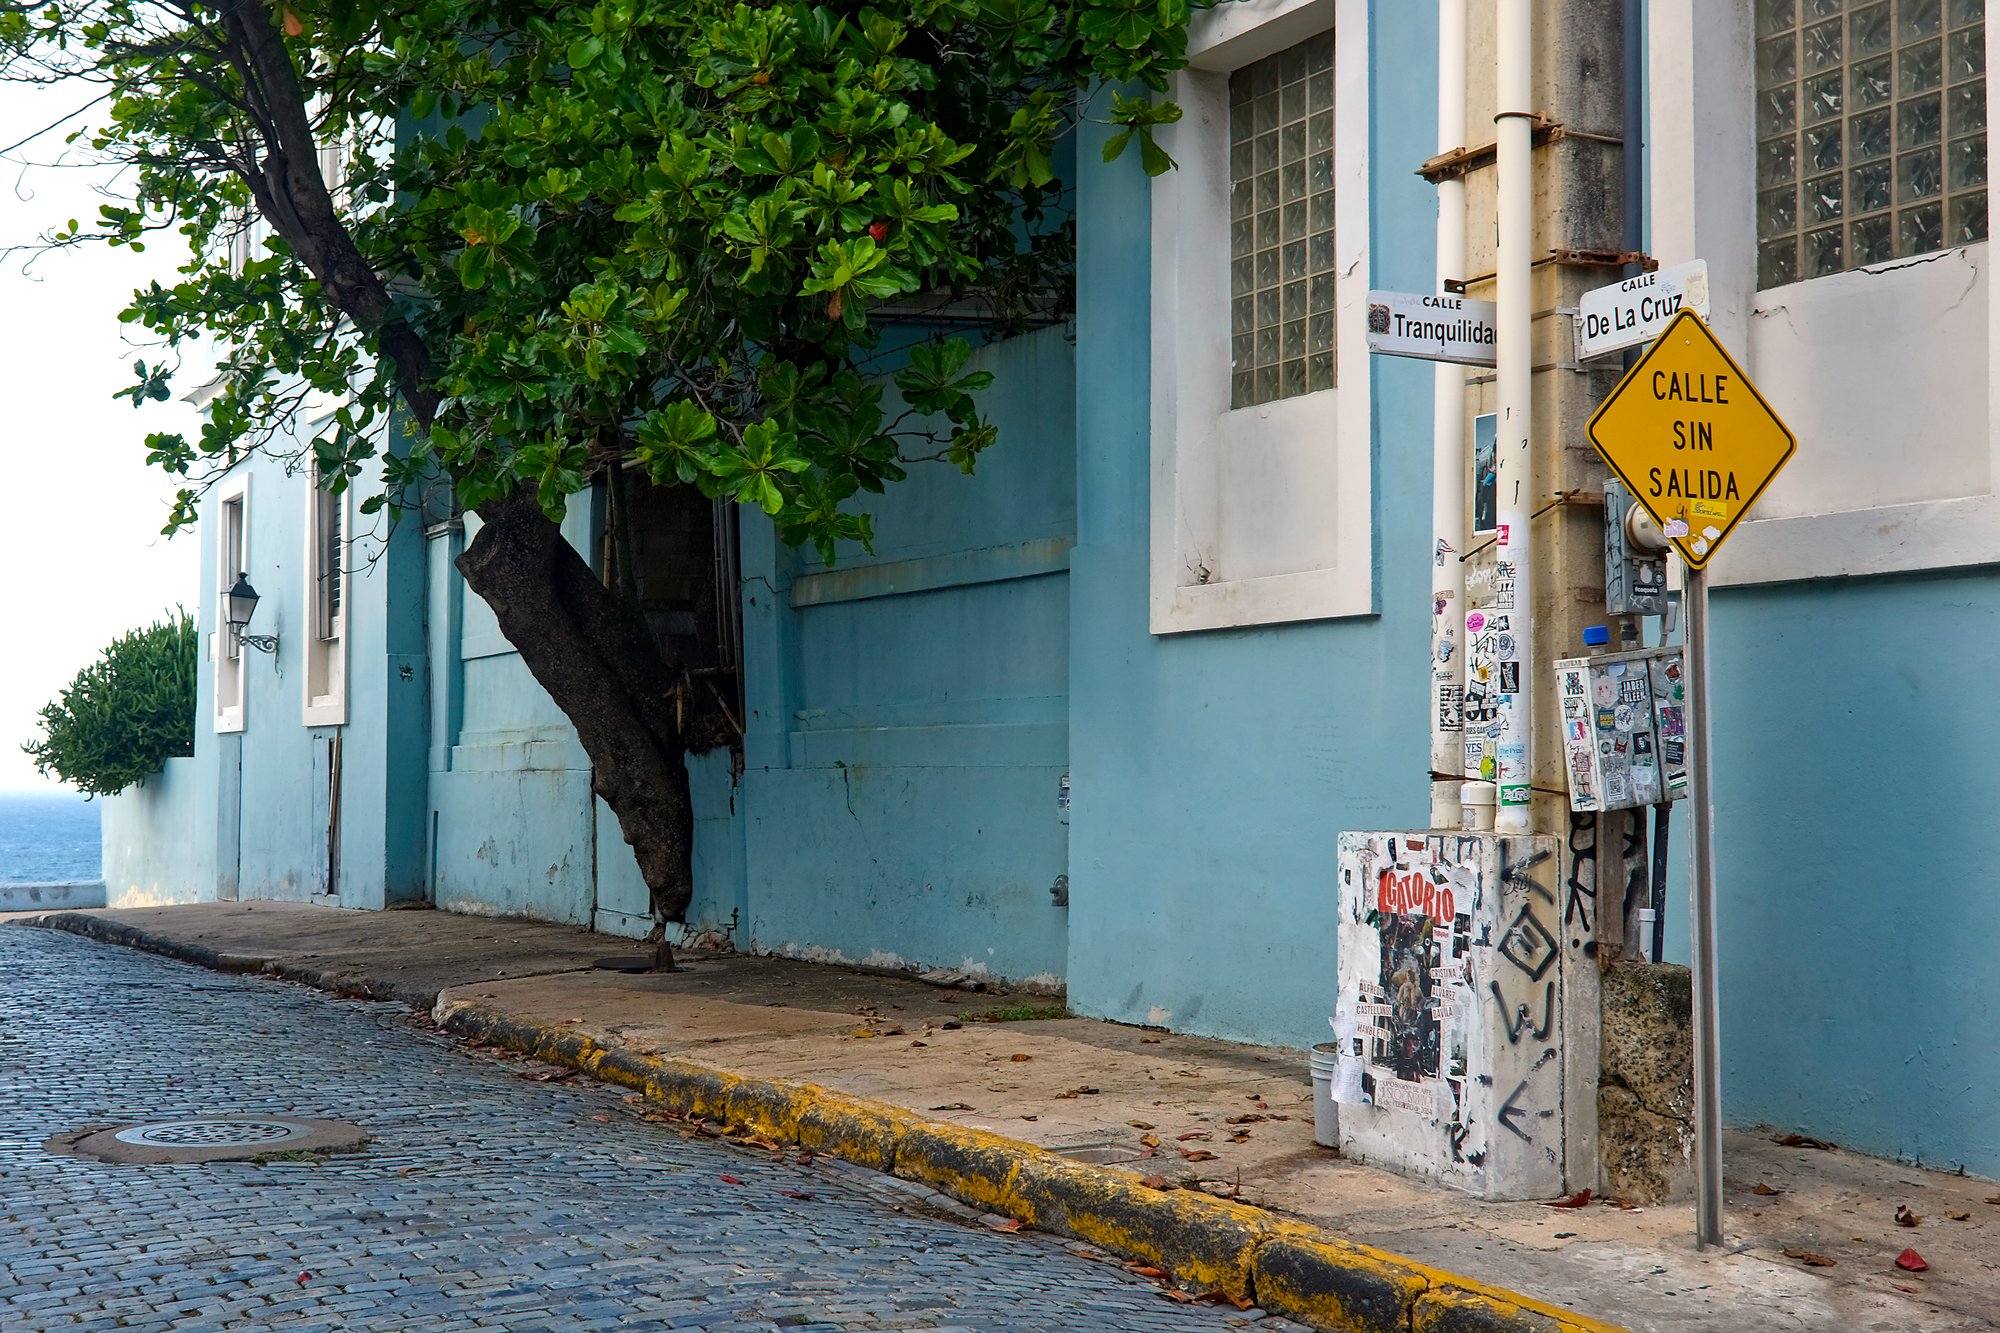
point(1449, 996)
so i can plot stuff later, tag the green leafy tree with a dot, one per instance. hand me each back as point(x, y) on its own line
point(125, 714)
point(573, 241)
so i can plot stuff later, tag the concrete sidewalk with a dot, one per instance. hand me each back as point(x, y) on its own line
point(1153, 1118)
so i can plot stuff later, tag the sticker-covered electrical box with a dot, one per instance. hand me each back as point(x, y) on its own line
point(1624, 725)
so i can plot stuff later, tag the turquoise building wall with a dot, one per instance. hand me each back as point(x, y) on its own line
point(907, 710)
point(1212, 771)
point(1855, 839)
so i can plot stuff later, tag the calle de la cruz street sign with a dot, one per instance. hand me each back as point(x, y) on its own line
point(1632, 313)
point(1690, 436)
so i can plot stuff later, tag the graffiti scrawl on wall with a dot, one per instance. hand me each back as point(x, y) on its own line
point(1449, 1009)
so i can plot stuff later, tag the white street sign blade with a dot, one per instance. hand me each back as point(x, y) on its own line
point(1432, 328)
point(1632, 313)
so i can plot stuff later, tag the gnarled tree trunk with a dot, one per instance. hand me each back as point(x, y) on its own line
point(592, 652)
point(600, 665)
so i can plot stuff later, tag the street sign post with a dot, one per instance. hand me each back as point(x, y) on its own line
point(1433, 328)
point(1633, 312)
point(1696, 443)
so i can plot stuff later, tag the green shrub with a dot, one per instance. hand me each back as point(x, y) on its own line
point(125, 714)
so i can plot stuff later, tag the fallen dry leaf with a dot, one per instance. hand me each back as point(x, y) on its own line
point(1179, 1296)
point(1008, 1224)
point(1800, 1141)
point(1156, 1183)
point(1958, 1217)
point(1150, 1140)
point(1906, 1218)
point(919, 1043)
point(1993, 1198)
point(1017, 1057)
point(1809, 1259)
point(1912, 1262)
point(1147, 1271)
point(1031, 1117)
point(1197, 1154)
point(1576, 1200)
point(1149, 1041)
point(1194, 1134)
point(1077, 1092)
point(602, 1119)
point(1761, 1188)
point(952, 1106)
point(1616, 1202)
point(1900, 1287)
point(1220, 1297)
point(546, 1075)
point(1147, 1124)
point(757, 1141)
point(1244, 1119)
point(1239, 1136)
point(806, 1196)
point(731, 1180)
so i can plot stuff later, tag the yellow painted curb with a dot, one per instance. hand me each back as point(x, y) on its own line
point(1206, 1243)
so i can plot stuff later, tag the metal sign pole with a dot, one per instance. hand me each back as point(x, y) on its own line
point(1701, 920)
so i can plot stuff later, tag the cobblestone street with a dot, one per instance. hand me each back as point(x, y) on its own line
point(483, 1202)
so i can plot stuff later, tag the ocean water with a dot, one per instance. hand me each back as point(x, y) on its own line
point(49, 837)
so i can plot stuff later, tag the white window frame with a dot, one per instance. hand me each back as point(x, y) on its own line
point(1217, 470)
point(1841, 357)
point(227, 653)
point(324, 684)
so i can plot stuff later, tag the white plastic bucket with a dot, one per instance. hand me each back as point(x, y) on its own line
point(1326, 1115)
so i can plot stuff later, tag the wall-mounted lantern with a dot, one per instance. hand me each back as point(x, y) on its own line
point(240, 603)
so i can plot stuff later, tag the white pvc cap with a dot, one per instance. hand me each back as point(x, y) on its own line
point(1478, 793)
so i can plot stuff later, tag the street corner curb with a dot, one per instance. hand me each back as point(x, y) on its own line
point(1334, 1284)
point(131, 937)
point(1456, 1305)
point(1211, 1244)
point(1204, 1242)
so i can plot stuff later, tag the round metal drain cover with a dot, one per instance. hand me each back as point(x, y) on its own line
point(209, 1139)
point(212, 1133)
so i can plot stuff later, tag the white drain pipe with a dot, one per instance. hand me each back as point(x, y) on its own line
point(1448, 462)
point(1514, 751)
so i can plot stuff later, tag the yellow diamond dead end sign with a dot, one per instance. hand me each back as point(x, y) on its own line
point(1691, 437)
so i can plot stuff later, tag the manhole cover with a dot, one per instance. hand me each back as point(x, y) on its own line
point(212, 1133)
point(208, 1139)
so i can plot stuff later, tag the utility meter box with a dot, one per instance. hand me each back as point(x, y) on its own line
point(1624, 726)
point(1465, 1022)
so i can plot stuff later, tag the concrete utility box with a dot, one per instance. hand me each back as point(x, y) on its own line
point(1467, 1012)
point(1624, 724)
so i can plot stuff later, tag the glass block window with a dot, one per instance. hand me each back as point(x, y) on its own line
point(1871, 132)
point(1281, 224)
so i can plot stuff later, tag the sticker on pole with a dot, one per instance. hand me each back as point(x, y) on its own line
point(1691, 437)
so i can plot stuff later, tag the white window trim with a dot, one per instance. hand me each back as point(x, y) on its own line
point(1192, 424)
point(1703, 204)
point(330, 708)
point(231, 704)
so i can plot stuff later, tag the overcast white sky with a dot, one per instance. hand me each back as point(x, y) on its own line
point(81, 558)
